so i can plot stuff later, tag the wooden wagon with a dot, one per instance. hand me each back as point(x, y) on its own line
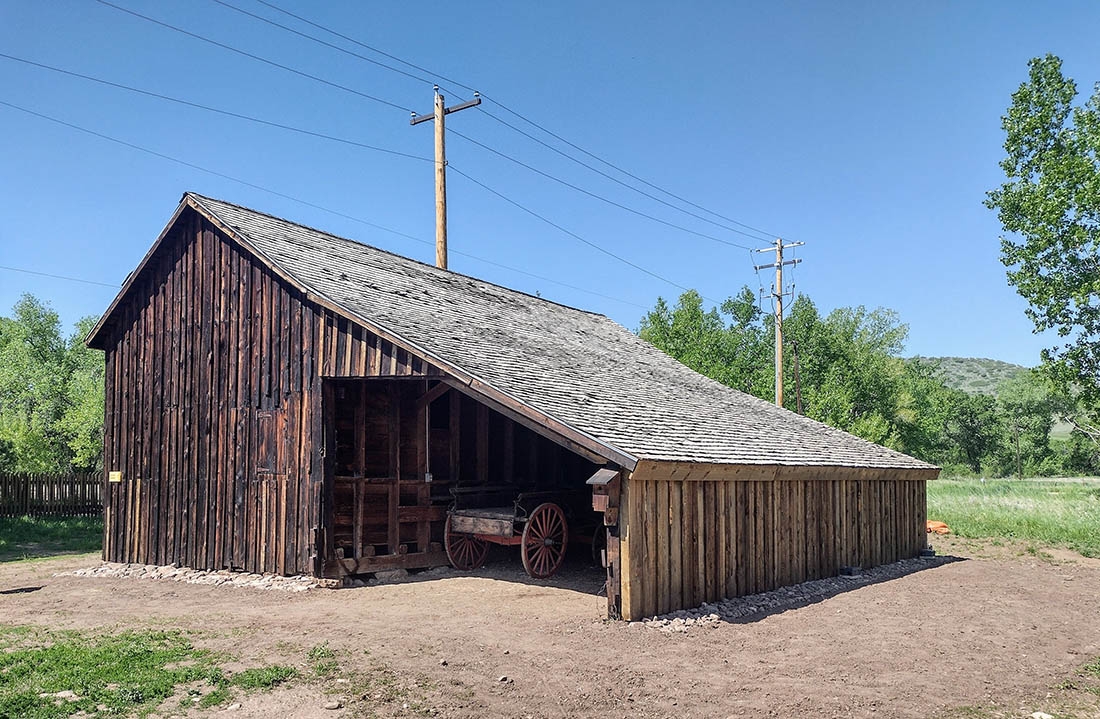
point(541, 523)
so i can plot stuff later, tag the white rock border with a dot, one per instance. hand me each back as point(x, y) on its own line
point(221, 577)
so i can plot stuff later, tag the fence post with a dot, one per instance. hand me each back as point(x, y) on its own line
point(26, 495)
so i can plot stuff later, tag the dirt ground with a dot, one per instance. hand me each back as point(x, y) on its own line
point(999, 633)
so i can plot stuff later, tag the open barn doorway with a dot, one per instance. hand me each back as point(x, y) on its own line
point(402, 453)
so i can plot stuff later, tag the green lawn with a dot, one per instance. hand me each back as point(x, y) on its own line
point(48, 674)
point(27, 537)
point(1055, 513)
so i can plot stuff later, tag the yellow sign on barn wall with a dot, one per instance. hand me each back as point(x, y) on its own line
point(114, 477)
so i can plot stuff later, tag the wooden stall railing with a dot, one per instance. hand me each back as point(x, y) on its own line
point(51, 495)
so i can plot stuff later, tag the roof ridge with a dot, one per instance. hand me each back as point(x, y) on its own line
point(403, 258)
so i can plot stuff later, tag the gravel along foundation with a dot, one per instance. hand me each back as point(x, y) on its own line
point(784, 598)
point(172, 573)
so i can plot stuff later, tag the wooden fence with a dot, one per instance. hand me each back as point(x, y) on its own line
point(51, 495)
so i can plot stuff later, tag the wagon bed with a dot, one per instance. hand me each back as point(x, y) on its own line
point(535, 521)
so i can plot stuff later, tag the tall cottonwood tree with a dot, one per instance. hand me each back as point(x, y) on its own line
point(1050, 208)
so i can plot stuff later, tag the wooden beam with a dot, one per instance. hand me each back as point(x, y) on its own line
point(715, 472)
point(542, 430)
point(366, 565)
point(433, 394)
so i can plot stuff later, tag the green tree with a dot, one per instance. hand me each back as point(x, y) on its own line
point(974, 427)
point(51, 393)
point(849, 374)
point(925, 406)
point(1050, 206)
point(81, 422)
point(31, 386)
point(848, 371)
point(1028, 404)
point(728, 344)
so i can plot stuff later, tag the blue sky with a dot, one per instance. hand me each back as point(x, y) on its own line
point(868, 130)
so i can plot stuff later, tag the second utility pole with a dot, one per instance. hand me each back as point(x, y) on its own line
point(441, 169)
point(777, 294)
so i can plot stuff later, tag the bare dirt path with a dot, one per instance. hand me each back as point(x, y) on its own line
point(988, 636)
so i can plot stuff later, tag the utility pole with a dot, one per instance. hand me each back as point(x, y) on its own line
point(777, 295)
point(438, 114)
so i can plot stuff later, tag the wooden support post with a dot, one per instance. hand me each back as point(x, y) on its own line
point(454, 434)
point(482, 444)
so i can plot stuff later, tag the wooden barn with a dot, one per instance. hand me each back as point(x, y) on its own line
point(283, 400)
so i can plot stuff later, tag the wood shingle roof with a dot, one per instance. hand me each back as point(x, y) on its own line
point(579, 368)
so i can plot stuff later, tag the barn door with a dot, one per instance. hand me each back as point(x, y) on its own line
point(268, 525)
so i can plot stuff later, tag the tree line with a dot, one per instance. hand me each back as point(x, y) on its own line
point(845, 369)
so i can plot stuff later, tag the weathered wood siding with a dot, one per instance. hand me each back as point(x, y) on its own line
point(689, 537)
point(213, 412)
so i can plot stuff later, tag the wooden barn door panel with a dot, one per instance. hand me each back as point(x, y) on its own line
point(381, 510)
point(268, 489)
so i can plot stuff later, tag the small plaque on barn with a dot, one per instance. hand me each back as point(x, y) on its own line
point(114, 477)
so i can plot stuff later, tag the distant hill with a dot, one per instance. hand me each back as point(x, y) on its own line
point(974, 375)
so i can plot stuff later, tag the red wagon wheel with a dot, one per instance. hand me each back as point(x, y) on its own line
point(465, 551)
point(545, 538)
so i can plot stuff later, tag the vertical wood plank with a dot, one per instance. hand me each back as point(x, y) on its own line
point(699, 558)
point(676, 545)
point(629, 528)
point(649, 555)
point(721, 559)
point(710, 548)
point(662, 525)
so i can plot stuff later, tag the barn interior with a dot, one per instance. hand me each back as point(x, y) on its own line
point(401, 452)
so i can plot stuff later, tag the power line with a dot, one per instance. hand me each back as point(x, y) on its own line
point(369, 47)
point(57, 277)
point(200, 168)
point(299, 33)
point(627, 185)
point(238, 51)
point(336, 139)
point(366, 96)
point(598, 196)
point(757, 236)
point(617, 168)
point(276, 193)
point(572, 234)
point(208, 108)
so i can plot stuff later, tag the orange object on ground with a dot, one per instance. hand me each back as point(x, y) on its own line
point(938, 527)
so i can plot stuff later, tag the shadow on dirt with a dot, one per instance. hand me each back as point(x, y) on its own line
point(20, 590)
point(576, 574)
point(766, 604)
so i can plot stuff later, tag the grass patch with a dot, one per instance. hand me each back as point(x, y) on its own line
point(115, 674)
point(263, 677)
point(29, 537)
point(322, 660)
point(52, 674)
point(373, 689)
point(1051, 513)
